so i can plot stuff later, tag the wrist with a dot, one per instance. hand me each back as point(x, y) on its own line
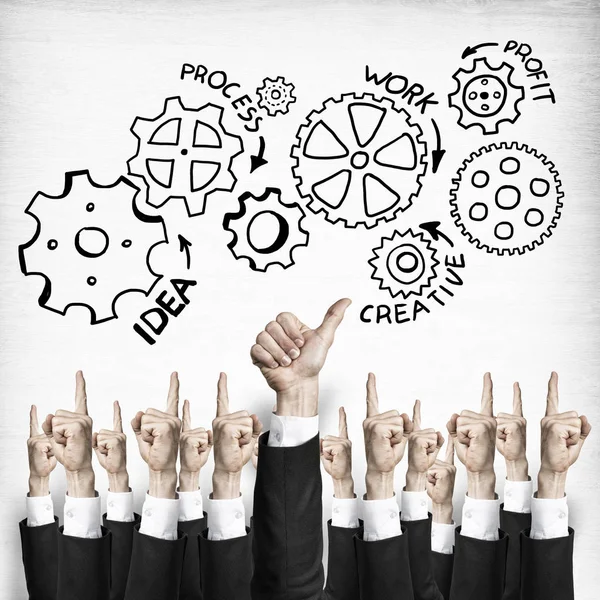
point(517, 470)
point(343, 488)
point(415, 481)
point(189, 481)
point(118, 483)
point(82, 483)
point(162, 484)
point(442, 513)
point(380, 486)
point(551, 484)
point(301, 400)
point(226, 485)
point(482, 485)
point(38, 486)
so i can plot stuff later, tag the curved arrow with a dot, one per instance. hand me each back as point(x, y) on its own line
point(257, 161)
point(432, 228)
point(469, 50)
point(184, 246)
point(438, 153)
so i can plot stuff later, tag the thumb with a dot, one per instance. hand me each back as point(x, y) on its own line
point(332, 320)
point(47, 426)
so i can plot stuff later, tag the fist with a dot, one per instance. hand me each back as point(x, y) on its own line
point(511, 439)
point(39, 449)
point(194, 445)
point(111, 445)
point(423, 444)
point(441, 477)
point(336, 455)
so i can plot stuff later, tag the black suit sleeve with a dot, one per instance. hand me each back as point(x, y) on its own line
point(120, 554)
point(513, 523)
point(83, 567)
point(547, 568)
point(288, 536)
point(156, 565)
point(342, 569)
point(190, 576)
point(39, 548)
point(226, 567)
point(384, 568)
point(479, 568)
point(443, 564)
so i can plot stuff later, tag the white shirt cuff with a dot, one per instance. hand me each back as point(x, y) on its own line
point(517, 496)
point(414, 506)
point(83, 516)
point(226, 519)
point(549, 518)
point(442, 537)
point(159, 517)
point(190, 506)
point(40, 510)
point(344, 512)
point(119, 506)
point(481, 519)
point(381, 519)
point(287, 432)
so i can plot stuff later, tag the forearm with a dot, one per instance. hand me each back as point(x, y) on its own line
point(38, 486)
point(189, 481)
point(415, 481)
point(379, 485)
point(517, 470)
point(551, 485)
point(226, 485)
point(482, 485)
point(442, 513)
point(301, 400)
point(118, 482)
point(343, 489)
point(163, 484)
point(82, 483)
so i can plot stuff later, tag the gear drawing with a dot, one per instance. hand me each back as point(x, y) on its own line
point(91, 245)
point(255, 220)
point(275, 96)
point(506, 198)
point(404, 264)
point(359, 160)
point(185, 153)
point(485, 96)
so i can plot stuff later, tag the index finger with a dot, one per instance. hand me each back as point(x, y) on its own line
point(372, 399)
point(552, 398)
point(34, 427)
point(487, 398)
point(222, 396)
point(417, 416)
point(449, 458)
point(186, 417)
point(517, 400)
point(117, 422)
point(80, 394)
point(343, 424)
point(173, 395)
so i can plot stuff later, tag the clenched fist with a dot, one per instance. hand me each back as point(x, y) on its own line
point(41, 459)
point(511, 439)
point(111, 450)
point(336, 456)
point(194, 448)
point(440, 486)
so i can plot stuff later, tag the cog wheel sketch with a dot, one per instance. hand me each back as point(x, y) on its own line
point(506, 198)
point(255, 220)
point(404, 264)
point(359, 160)
point(91, 245)
point(485, 96)
point(275, 96)
point(185, 153)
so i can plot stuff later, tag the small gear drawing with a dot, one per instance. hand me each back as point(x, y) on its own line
point(275, 96)
point(254, 220)
point(404, 264)
point(91, 245)
point(506, 198)
point(359, 160)
point(485, 96)
point(185, 153)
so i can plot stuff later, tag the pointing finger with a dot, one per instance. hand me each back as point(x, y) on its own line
point(343, 424)
point(34, 427)
point(332, 320)
point(80, 394)
point(372, 400)
point(222, 396)
point(186, 419)
point(117, 421)
point(417, 416)
point(487, 398)
point(173, 395)
point(552, 398)
point(517, 400)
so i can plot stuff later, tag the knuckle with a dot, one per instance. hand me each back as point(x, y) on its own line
point(271, 326)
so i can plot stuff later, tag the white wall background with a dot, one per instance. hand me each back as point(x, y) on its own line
point(73, 76)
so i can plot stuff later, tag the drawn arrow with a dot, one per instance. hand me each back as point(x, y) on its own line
point(432, 228)
point(438, 153)
point(184, 246)
point(258, 161)
point(468, 51)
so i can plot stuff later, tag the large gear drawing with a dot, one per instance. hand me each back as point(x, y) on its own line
point(359, 160)
point(185, 153)
point(91, 245)
point(485, 96)
point(252, 220)
point(404, 264)
point(506, 198)
point(275, 96)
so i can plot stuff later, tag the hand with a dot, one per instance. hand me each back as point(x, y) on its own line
point(41, 460)
point(290, 356)
point(563, 435)
point(194, 448)
point(111, 451)
point(385, 442)
point(511, 439)
point(440, 486)
point(423, 448)
point(70, 435)
point(336, 456)
point(157, 434)
point(474, 437)
point(235, 435)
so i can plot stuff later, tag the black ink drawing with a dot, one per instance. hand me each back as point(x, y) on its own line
point(506, 199)
point(359, 160)
point(253, 223)
point(485, 96)
point(91, 245)
point(185, 153)
point(258, 160)
point(275, 96)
